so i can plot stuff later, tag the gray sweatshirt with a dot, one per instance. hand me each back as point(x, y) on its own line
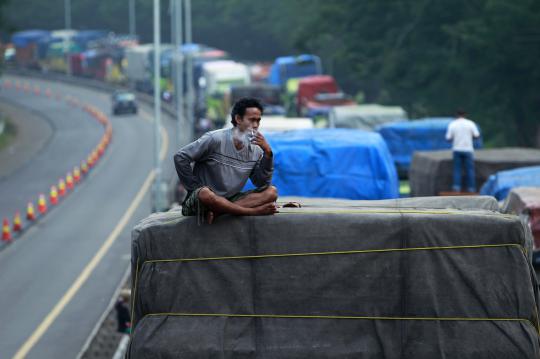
point(220, 166)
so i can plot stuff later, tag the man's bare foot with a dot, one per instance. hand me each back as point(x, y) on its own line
point(265, 209)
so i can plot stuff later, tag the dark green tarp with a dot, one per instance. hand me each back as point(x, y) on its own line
point(431, 172)
point(336, 282)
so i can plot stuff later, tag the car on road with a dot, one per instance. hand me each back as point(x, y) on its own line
point(123, 102)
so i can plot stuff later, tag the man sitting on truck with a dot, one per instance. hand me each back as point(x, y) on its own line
point(223, 161)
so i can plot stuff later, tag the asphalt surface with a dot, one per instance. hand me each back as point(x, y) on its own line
point(39, 267)
point(33, 133)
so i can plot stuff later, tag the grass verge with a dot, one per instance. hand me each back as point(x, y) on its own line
point(8, 134)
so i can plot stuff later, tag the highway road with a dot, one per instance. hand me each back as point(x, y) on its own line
point(57, 278)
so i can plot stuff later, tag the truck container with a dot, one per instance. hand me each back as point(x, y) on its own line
point(26, 47)
point(138, 69)
point(288, 67)
point(218, 78)
point(364, 117)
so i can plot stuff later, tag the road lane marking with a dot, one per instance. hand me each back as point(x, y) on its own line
point(91, 266)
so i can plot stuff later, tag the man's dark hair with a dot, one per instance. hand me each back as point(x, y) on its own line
point(461, 113)
point(240, 106)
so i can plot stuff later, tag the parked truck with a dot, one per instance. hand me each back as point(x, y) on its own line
point(289, 67)
point(218, 78)
point(318, 94)
point(138, 67)
point(26, 47)
point(286, 71)
point(365, 117)
point(270, 95)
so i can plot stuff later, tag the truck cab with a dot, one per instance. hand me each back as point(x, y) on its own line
point(318, 94)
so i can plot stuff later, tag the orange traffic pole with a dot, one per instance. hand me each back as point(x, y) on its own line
point(17, 224)
point(76, 174)
point(53, 196)
point(6, 231)
point(90, 160)
point(84, 167)
point(42, 204)
point(30, 214)
point(69, 181)
point(61, 187)
point(101, 149)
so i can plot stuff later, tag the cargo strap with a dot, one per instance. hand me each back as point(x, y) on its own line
point(264, 256)
point(306, 210)
point(277, 316)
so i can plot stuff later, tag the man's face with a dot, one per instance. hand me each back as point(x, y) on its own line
point(250, 120)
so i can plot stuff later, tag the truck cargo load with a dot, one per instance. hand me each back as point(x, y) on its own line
point(26, 47)
point(501, 183)
point(281, 123)
point(431, 172)
point(327, 281)
point(333, 163)
point(84, 38)
point(525, 202)
point(138, 69)
point(364, 117)
point(406, 137)
point(289, 67)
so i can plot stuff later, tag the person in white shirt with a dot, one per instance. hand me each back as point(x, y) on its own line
point(461, 132)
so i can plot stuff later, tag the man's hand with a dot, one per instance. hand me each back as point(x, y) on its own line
point(260, 141)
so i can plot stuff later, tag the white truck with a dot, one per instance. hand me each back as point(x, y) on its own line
point(138, 69)
point(217, 80)
point(364, 117)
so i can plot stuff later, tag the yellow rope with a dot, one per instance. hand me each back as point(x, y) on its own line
point(133, 297)
point(277, 316)
point(394, 211)
point(280, 255)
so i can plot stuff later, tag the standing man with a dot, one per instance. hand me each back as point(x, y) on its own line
point(461, 132)
point(223, 161)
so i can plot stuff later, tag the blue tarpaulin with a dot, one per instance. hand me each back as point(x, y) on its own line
point(23, 38)
point(404, 138)
point(501, 183)
point(288, 67)
point(82, 38)
point(336, 163)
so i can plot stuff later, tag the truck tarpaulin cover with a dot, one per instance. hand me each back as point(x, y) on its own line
point(431, 172)
point(337, 163)
point(525, 202)
point(405, 137)
point(24, 38)
point(335, 282)
point(499, 184)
